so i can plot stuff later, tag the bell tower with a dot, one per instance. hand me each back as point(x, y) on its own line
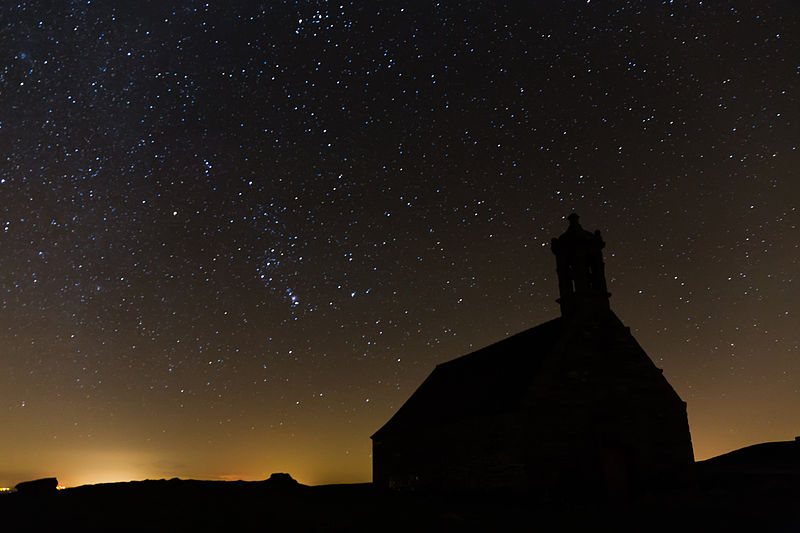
point(581, 272)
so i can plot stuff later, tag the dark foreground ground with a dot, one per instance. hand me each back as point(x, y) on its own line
point(742, 493)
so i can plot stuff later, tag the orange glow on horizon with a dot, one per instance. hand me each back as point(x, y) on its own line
point(86, 467)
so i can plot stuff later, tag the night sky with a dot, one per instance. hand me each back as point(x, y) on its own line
point(236, 236)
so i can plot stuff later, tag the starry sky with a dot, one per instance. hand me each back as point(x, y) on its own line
point(236, 236)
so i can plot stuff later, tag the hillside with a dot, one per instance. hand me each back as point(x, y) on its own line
point(755, 488)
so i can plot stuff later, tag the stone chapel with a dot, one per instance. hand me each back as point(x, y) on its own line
point(571, 407)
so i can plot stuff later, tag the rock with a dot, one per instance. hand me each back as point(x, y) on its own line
point(281, 479)
point(45, 485)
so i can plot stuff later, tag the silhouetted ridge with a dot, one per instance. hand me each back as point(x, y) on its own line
point(783, 456)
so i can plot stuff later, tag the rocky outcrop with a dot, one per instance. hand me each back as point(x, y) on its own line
point(45, 485)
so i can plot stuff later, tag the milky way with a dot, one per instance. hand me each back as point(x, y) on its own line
point(236, 236)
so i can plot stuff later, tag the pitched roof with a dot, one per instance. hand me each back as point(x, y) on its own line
point(490, 380)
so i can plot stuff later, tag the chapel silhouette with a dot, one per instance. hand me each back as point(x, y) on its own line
point(572, 407)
